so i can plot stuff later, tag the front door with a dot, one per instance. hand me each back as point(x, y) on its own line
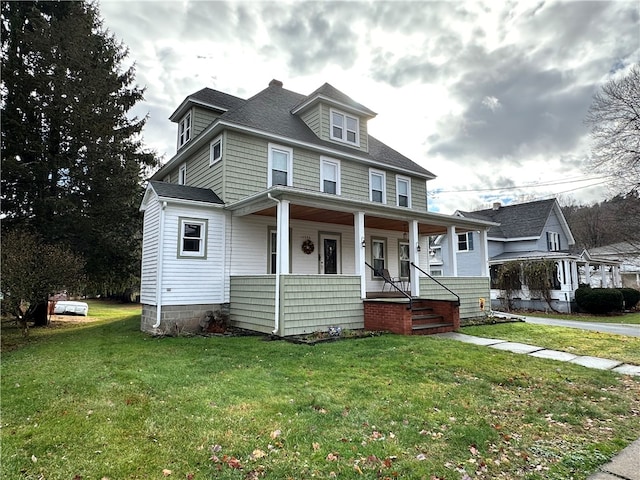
point(329, 253)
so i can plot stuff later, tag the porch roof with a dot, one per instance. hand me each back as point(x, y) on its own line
point(327, 208)
point(532, 255)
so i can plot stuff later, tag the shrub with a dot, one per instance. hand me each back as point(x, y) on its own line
point(581, 292)
point(599, 300)
point(631, 297)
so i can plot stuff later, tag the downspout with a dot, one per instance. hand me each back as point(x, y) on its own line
point(159, 268)
point(278, 252)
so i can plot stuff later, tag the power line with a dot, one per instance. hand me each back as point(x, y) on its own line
point(536, 184)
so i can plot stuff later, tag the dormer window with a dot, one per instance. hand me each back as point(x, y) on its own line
point(344, 128)
point(184, 130)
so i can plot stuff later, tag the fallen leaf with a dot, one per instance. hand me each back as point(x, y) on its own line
point(257, 453)
point(421, 456)
point(316, 446)
point(473, 450)
point(332, 457)
point(34, 459)
point(166, 472)
point(275, 434)
point(190, 476)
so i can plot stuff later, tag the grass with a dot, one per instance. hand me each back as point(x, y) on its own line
point(103, 400)
point(572, 340)
point(626, 319)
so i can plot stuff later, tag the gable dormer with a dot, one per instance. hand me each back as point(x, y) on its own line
point(335, 117)
point(199, 110)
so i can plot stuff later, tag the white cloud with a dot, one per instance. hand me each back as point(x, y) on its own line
point(480, 93)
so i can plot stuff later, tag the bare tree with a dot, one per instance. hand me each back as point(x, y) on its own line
point(614, 118)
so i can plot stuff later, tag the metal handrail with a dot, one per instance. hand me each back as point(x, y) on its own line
point(379, 273)
point(443, 286)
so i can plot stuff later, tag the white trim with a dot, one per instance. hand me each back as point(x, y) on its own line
point(329, 100)
point(212, 159)
point(382, 174)
point(325, 161)
point(282, 149)
point(182, 174)
point(184, 132)
point(407, 180)
point(345, 130)
point(202, 245)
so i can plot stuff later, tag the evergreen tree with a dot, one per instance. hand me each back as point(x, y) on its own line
point(73, 162)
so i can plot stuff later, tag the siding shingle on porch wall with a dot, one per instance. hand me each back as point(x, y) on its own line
point(469, 289)
point(252, 302)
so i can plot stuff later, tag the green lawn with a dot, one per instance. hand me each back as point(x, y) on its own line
point(103, 400)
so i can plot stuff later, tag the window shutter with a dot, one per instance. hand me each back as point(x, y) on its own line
point(548, 241)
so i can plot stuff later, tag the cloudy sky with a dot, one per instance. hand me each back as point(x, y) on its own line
point(490, 96)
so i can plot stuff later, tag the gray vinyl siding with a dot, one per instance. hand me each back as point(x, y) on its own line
point(469, 289)
point(252, 302)
point(306, 169)
point(201, 119)
point(470, 262)
point(312, 119)
point(198, 172)
point(315, 302)
point(418, 194)
point(553, 225)
point(245, 166)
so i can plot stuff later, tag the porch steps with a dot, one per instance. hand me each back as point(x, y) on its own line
point(425, 322)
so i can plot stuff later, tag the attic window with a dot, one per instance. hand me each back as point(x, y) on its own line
point(215, 151)
point(184, 130)
point(344, 128)
point(553, 241)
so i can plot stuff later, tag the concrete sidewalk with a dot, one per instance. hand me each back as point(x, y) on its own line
point(625, 465)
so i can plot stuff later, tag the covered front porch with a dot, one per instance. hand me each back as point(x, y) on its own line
point(328, 266)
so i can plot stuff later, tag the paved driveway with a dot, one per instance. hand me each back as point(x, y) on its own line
point(616, 328)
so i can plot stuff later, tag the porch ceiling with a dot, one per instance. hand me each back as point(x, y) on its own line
point(323, 215)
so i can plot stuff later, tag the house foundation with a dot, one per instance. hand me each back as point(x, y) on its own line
point(181, 319)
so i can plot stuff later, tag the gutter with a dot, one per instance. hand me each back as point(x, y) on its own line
point(159, 268)
point(277, 292)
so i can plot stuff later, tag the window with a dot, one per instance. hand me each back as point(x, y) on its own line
point(184, 130)
point(192, 238)
point(377, 191)
point(465, 242)
point(280, 165)
point(330, 176)
point(182, 175)
point(403, 257)
point(215, 151)
point(553, 241)
point(403, 191)
point(436, 272)
point(378, 253)
point(344, 128)
point(273, 250)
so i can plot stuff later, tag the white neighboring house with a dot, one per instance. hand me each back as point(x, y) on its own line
point(615, 265)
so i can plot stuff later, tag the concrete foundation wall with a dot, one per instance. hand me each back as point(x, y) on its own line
point(179, 319)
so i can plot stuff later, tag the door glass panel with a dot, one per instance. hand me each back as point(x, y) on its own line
point(330, 256)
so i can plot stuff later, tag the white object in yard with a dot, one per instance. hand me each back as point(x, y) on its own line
point(66, 307)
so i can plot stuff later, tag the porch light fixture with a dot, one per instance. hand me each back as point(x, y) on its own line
point(432, 252)
point(363, 243)
point(418, 247)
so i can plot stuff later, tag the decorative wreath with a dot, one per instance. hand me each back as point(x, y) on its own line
point(307, 247)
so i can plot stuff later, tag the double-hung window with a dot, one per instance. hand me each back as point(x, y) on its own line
point(193, 238)
point(344, 127)
point(215, 150)
point(184, 130)
point(280, 165)
point(377, 184)
point(553, 241)
point(403, 191)
point(405, 261)
point(465, 242)
point(182, 175)
point(378, 255)
point(330, 176)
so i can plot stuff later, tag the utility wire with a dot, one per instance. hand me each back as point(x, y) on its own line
point(543, 184)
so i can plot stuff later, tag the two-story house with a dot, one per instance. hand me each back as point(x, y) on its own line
point(284, 215)
point(533, 231)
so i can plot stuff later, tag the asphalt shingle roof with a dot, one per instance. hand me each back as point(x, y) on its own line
point(270, 111)
point(182, 192)
point(516, 221)
point(216, 98)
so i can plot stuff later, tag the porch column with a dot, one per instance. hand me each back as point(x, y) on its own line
point(484, 254)
point(413, 257)
point(615, 273)
point(587, 274)
point(452, 240)
point(283, 236)
point(575, 278)
point(360, 251)
point(603, 276)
